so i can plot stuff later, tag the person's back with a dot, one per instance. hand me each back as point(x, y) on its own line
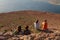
point(20, 30)
point(44, 25)
point(27, 31)
point(36, 24)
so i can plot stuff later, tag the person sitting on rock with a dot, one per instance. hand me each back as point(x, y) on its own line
point(20, 30)
point(44, 25)
point(27, 31)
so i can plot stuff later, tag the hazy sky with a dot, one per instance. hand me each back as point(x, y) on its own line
point(12, 5)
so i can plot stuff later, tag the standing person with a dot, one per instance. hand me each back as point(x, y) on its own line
point(44, 25)
point(36, 24)
point(27, 31)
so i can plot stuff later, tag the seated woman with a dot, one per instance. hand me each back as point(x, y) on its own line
point(20, 30)
point(27, 31)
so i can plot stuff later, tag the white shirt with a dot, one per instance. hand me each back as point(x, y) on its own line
point(36, 25)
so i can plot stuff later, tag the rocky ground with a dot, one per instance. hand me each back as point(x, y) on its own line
point(34, 36)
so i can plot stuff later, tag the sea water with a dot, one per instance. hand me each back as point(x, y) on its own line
point(17, 5)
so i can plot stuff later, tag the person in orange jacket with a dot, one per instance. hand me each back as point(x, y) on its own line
point(44, 25)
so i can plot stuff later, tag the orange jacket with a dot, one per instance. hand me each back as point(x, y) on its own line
point(44, 25)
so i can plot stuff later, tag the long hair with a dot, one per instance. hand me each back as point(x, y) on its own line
point(19, 28)
point(37, 21)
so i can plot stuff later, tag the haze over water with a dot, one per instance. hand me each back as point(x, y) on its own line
point(17, 5)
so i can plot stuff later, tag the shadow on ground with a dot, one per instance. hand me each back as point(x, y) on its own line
point(46, 31)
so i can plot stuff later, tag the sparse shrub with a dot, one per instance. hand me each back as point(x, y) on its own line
point(5, 31)
point(22, 17)
point(1, 25)
point(11, 30)
point(15, 32)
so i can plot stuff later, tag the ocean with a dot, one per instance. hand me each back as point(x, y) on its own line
point(17, 5)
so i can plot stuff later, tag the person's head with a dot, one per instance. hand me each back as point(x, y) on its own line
point(45, 20)
point(26, 27)
point(37, 21)
point(19, 27)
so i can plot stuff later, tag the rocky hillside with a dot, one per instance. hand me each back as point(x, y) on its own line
point(11, 20)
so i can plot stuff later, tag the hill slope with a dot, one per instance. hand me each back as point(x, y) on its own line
point(14, 19)
point(11, 20)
